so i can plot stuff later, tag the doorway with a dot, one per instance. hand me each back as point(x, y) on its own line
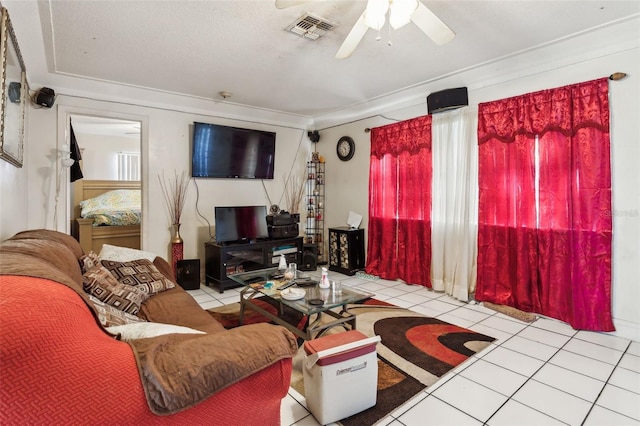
point(111, 160)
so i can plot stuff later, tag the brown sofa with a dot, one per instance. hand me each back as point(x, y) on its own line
point(59, 365)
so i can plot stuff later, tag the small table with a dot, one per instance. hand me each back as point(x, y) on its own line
point(254, 282)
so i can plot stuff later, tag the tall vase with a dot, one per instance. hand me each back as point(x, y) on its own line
point(176, 247)
point(176, 234)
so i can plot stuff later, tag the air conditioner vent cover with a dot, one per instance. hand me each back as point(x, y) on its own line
point(310, 26)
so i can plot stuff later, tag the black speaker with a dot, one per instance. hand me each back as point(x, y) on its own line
point(447, 99)
point(309, 258)
point(314, 136)
point(188, 274)
point(45, 97)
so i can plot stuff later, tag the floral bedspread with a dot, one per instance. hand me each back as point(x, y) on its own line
point(115, 208)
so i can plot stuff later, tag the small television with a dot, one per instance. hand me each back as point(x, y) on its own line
point(231, 152)
point(242, 223)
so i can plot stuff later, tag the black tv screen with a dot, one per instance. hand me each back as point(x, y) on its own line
point(231, 152)
point(241, 223)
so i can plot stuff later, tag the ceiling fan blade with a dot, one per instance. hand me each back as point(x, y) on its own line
point(353, 39)
point(283, 4)
point(431, 25)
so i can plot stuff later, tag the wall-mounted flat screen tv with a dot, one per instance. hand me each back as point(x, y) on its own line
point(231, 152)
point(242, 223)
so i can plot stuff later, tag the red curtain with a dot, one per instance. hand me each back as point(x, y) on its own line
point(545, 230)
point(399, 243)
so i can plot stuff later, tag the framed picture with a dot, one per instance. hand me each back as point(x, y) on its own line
point(13, 94)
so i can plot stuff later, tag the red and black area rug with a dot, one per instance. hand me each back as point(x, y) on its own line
point(415, 350)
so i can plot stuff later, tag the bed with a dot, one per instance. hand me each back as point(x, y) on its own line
point(117, 232)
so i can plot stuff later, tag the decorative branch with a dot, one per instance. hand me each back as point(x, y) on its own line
point(293, 191)
point(175, 194)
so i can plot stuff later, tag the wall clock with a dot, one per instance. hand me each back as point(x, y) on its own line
point(345, 148)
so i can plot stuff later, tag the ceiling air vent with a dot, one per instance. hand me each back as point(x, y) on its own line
point(310, 26)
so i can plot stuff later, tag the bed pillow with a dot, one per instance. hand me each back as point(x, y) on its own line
point(101, 284)
point(142, 330)
point(110, 316)
point(124, 254)
point(139, 273)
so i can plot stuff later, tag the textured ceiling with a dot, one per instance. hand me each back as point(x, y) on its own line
point(200, 48)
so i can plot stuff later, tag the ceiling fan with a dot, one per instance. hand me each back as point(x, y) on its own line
point(400, 12)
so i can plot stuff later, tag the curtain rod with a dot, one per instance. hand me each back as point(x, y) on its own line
point(614, 77)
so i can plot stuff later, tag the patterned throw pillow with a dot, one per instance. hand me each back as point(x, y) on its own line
point(88, 261)
point(110, 316)
point(140, 273)
point(99, 283)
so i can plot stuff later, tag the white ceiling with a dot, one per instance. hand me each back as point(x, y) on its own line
point(199, 48)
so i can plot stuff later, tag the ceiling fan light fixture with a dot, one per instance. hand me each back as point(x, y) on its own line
point(375, 13)
point(400, 12)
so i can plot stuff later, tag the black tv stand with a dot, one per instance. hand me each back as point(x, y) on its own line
point(224, 259)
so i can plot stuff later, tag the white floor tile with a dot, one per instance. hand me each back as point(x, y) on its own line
point(400, 302)
point(432, 411)
point(569, 381)
point(428, 293)
point(543, 336)
point(626, 379)
point(634, 349)
point(600, 416)
point(494, 377)
point(514, 413)
point(470, 397)
point(439, 306)
point(371, 286)
point(425, 310)
point(499, 335)
point(608, 340)
point(460, 322)
point(415, 299)
point(621, 401)
point(408, 288)
point(554, 325)
point(594, 351)
point(291, 411)
point(481, 308)
point(514, 361)
point(529, 347)
point(391, 291)
point(210, 304)
point(408, 405)
point(553, 402)
point(503, 324)
point(469, 314)
point(581, 364)
point(630, 362)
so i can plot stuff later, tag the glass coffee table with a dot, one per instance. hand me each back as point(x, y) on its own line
point(324, 308)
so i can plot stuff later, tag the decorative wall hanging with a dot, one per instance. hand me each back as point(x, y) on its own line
point(13, 94)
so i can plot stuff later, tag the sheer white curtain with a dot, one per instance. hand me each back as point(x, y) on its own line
point(454, 214)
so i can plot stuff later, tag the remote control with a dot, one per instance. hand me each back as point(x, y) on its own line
point(286, 285)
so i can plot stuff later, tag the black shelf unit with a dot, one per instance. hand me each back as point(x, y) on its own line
point(346, 250)
point(314, 225)
point(223, 260)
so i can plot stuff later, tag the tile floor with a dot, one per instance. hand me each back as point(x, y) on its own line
point(543, 373)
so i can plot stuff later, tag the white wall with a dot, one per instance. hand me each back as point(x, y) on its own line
point(100, 154)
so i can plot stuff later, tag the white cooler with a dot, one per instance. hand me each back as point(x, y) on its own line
point(340, 375)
